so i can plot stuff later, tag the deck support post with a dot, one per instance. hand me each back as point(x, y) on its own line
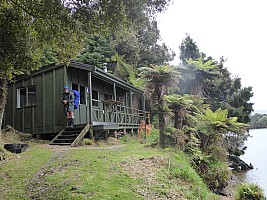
point(90, 106)
point(114, 98)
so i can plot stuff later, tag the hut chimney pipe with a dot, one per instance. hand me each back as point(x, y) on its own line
point(105, 68)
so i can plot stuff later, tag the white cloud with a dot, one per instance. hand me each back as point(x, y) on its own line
point(234, 29)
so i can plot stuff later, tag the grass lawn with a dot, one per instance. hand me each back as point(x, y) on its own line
point(122, 171)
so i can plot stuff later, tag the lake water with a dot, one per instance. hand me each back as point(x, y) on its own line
point(256, 153)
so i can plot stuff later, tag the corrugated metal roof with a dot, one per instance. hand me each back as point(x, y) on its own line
point(97, 72)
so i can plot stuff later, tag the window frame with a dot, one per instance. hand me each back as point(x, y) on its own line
point(27, 96)
point(95, 102)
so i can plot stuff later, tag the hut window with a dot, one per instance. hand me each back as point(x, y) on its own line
point(26, 96)
point(31, 96)
point(21, 97)
point(82, 95)
point(75, 86)
point(95, 98)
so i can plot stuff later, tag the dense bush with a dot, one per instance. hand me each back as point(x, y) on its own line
point(215, 175)
point(248, 191)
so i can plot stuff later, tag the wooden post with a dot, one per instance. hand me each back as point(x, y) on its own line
point(144, 104)
point(131, 105)
point(90, 105)
point(115, 98)
point(144, 113)
point(116, 134)
point(114, 92)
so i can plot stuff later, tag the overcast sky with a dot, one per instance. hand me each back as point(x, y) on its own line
point(235, 29)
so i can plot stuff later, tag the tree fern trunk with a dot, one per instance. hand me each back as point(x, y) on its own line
point(176, 120)
point(161, 118)
point(197, 88)
point(162, 136)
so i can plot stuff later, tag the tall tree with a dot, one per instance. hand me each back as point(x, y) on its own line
point(189, 49)
point(238, 102)
point(97, 51)
point(217, 89)
point(151, 52)
point(126, 44)
point(158, 80)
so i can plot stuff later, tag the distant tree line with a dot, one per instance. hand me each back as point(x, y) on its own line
point(258, 121)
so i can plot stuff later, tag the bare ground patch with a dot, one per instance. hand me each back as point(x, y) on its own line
point(58, 148)
point(40, 188)
point(147, 169)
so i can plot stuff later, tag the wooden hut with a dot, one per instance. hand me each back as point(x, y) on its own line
point(107, 104)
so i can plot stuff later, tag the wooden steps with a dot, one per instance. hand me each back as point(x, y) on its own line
point(71, 136)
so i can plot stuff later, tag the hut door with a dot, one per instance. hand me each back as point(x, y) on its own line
point(81, 113)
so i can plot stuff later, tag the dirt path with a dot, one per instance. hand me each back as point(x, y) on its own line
point(58, 148)
point(38, 187)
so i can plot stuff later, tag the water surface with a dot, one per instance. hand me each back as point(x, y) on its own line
point(256, 154)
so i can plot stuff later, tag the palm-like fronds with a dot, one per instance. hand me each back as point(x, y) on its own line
point(219, 122)
point(197, 72)
point(164, 75)
point(198, 64)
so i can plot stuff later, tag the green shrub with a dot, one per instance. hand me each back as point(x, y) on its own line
point(218, 153)
point(249, 191)
point(154, 136)
point(87, 141)
point(215, 174)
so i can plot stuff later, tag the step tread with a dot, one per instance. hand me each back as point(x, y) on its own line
point(66, 136)
point(60, 139)
point(60, 143)
point(75, 128)
point(68, 132)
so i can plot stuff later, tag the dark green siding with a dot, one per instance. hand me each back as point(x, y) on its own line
point(38, 117)
point(59, 82)
point(47, 116)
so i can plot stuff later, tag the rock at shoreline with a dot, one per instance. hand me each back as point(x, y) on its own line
point(237, 164)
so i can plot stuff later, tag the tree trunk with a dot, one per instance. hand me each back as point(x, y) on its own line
point(164, 139)
point(3, 97)
point(176, 120)
point(197, 87)
point(161, 118)
point(162, 135)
